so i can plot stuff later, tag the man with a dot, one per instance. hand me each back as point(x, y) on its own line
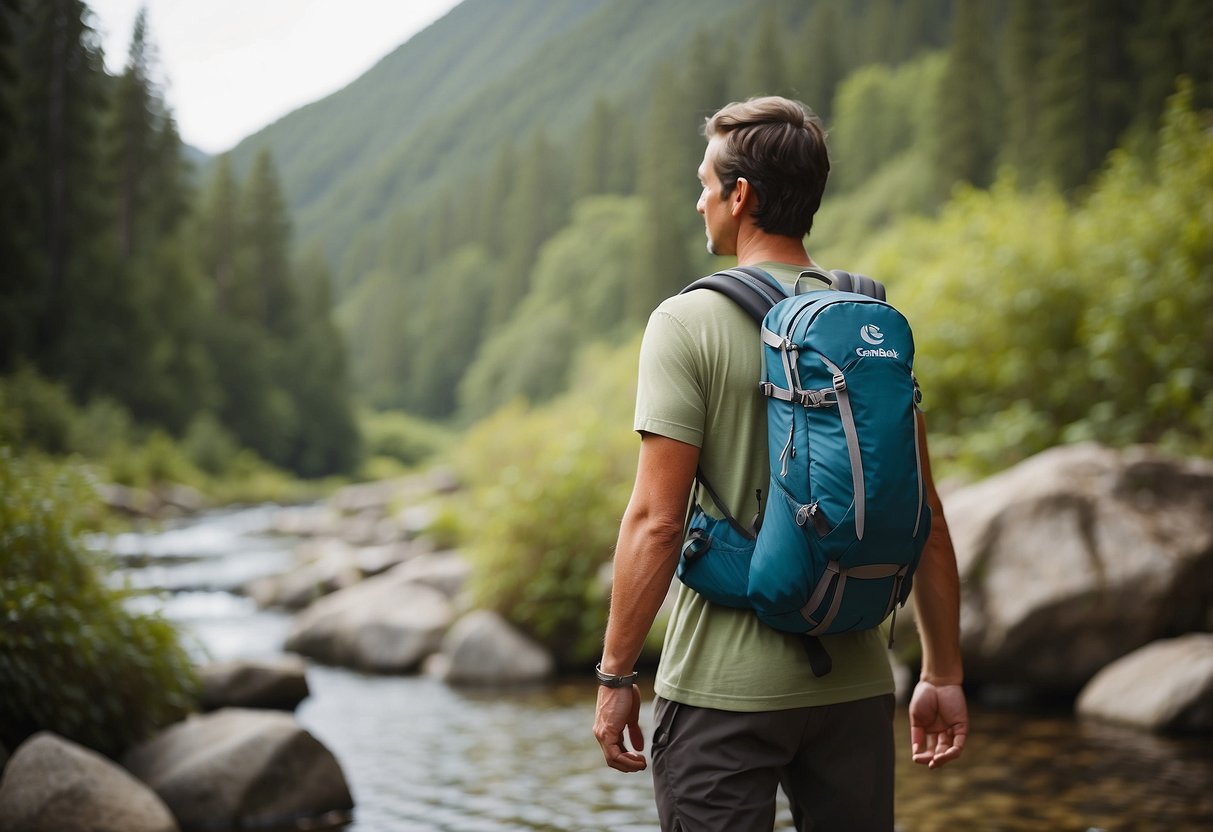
point(738, 709)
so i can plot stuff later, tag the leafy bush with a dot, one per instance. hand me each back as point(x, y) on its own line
point(1040, 322)
point(549, 489)
point(73, 658)
point(35, 412)
point(209, 446)
point(407, 439)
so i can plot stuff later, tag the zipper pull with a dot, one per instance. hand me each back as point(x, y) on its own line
point(788, 450)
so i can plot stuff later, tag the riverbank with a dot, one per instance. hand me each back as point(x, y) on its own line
point(423, 755)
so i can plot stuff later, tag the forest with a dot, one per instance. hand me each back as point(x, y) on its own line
point(1047, 161)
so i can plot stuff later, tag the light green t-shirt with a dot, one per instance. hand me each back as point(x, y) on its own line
point(699, 370)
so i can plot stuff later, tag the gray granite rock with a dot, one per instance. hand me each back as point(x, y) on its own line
point(54, 785)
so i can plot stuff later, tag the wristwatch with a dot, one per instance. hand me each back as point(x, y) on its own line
point(609, 681)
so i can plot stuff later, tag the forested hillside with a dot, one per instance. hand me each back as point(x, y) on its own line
point(496, 191)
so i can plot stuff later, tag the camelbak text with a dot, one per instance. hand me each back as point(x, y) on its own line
point(879, 353)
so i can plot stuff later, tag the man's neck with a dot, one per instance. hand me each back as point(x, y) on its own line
point(760, 247)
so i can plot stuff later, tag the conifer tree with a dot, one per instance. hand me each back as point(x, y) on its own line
point(819, 65)
point(315, 375)
point(667, 172)
point(78, 304)
point(969, 104)
point(1087, 78)
point(265, 237)
point(1024, 54)
point(537, 205)
point(132, 137)
point(765, 70)
point(18, 298)
point(217, 237)
point(590, 170)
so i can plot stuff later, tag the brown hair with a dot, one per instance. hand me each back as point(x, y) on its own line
point(778, 146)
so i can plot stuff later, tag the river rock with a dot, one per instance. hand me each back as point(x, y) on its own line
point(482, 648)
point(1078, 556)
point(54, 785)
point(386, 624)
point(328, 564)
point(1166, 686)
point(242, 769)
point(279, 684)
point(447, 572)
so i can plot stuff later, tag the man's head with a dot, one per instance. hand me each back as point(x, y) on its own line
point(777, 147)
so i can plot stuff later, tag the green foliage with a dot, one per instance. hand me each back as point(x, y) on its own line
point(35, 412)
point(580, 294)
point(1038, 323)
point(549, 487)
point(74, 657)
point(883, 115)
point(407, 439)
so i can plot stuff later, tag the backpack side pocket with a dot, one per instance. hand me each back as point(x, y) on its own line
point(715, 561)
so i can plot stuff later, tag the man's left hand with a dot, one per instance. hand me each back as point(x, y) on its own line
point(939, 723)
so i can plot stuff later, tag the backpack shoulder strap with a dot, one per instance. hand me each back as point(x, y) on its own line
point(860, 284)
point(751, 288)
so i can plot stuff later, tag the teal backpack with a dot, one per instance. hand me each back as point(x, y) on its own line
point(845, 519)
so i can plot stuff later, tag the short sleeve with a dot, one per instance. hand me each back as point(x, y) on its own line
point(670, 398)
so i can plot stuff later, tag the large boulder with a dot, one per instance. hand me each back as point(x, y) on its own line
point(54, 785)
point(386, 624)
point(279, 683)
point(482, 648)
point(243, 769)
point(1078, 556)
point(1164, 686)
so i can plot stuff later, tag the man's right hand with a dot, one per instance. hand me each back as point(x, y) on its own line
point(619, 710)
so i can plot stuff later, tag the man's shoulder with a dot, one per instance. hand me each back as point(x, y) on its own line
point(692, 308)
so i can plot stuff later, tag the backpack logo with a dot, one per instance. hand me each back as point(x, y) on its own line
point(872, 334)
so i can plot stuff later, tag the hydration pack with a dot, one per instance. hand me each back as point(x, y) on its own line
point(845, 519)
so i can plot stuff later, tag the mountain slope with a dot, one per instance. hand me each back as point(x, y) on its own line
point(437, 108)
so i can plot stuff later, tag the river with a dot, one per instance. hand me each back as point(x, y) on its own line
point(420, 755)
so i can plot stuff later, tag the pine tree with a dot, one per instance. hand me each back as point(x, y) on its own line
point(667, 183)
point(316, 376)
point(78, 305)
point(18, 288)
point(133, 135)
point(764, 70)
point(1024, 52)
point(265, 237)
point(537, 205)
point(217, 238)
point(968, 109)
point(819, 64)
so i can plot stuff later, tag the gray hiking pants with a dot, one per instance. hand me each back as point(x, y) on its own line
point(716, 771)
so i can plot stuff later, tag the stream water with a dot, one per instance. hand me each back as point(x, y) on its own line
point(420, 755)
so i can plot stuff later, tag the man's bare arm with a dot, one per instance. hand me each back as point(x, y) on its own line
point(646, 556)
point(939, 719)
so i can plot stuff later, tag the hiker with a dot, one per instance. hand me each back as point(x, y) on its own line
point(738, 708)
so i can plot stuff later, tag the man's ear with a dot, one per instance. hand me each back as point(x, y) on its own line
point(740, 199)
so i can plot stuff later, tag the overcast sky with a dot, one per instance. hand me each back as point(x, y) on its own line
point(233, 66)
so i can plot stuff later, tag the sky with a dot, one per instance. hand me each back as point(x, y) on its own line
point(231, 67)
